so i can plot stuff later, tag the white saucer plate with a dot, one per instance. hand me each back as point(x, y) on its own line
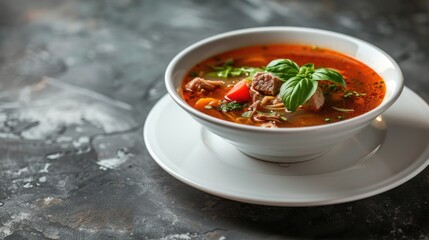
point(389, 152)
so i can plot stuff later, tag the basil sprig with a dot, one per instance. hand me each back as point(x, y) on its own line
point(300, 83)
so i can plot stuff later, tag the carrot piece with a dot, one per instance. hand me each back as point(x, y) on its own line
point(203, 102)
point(240, 92)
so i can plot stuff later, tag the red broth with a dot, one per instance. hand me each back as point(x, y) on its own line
point(365, 88)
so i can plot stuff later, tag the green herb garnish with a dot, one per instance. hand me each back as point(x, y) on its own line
point(246, 114)
point(300, 83)
point(348, 94)
point(227, 70)
point(230, 106)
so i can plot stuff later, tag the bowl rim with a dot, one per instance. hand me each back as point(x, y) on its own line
point(358, 120)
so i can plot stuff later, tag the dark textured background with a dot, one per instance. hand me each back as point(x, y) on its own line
point(78, 78)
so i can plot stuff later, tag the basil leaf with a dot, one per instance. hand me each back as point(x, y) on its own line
point(296, 91)
point(328, 75)
point(279, 65)
point(283, 68)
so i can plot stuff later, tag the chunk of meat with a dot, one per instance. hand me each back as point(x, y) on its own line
point(200, 84)
point(315, 102)
point(266, 83)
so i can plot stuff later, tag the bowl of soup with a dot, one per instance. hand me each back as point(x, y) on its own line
point(283, 94)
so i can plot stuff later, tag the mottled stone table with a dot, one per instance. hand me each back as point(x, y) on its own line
point(78, 78)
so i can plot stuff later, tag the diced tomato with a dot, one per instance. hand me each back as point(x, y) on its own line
point(240, 92)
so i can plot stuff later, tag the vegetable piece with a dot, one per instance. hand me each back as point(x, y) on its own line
point(230, 106)
point(239, 93)
point(202, 103)
point(227, 70)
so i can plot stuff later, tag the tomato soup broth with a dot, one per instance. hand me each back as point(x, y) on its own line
point(364, 89)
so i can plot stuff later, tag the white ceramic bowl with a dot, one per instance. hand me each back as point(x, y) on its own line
point(285, 144)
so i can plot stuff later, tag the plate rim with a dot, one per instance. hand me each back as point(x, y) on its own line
point(406, 174)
